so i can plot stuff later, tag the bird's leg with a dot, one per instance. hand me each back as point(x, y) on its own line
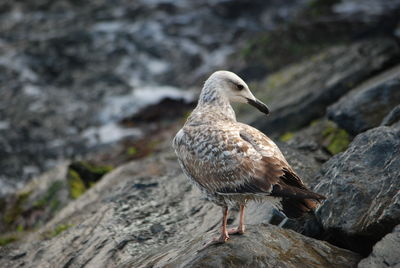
point(224, 233)
point(241, 228)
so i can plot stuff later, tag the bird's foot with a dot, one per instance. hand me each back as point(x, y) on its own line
point(222, 239)
point(237, 231)
point(215, 241)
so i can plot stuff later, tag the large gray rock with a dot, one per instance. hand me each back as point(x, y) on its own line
point(300, 93)
point(366, 10)
point(144, 205)
point(393, 117)
point(362, 189)
point(365, 107)
point(261, 246)
point(135, 208)
point(385, 253)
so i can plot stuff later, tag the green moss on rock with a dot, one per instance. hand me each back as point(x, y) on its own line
point(12, 213)
point(20, 228)
point(57, 230)
point(82, 175)
point(286, 137)
point(98, 170)
point(50, 197)
point(336, 139)
point(76, 185)
point(132, 151)
point(60, 228)
point(4, 240)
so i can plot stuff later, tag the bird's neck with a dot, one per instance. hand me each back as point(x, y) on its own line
point(214, 104)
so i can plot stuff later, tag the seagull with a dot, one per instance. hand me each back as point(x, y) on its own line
point(233, 163)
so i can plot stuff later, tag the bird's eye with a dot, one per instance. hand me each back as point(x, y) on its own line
point(239, 86)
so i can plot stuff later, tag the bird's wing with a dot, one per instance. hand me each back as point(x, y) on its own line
point(237, 159)
point(274, 167)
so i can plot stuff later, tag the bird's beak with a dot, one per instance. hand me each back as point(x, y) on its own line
point(262, 107)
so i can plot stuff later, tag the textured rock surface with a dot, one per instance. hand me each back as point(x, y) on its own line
point(362, 189)
point(131, 211)
point(365, 107)
point(393, 117)
point(322, 138)
point(136, 209)
point(385, 253)
point(261, 246)
point(71, 71)
point(301, 93)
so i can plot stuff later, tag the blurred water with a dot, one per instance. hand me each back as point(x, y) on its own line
point(117, 107)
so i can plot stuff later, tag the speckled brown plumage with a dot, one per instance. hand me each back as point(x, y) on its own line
point(233, 163)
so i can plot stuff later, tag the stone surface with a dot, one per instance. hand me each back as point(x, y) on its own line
point(319, 25)
point(365, 107)
point(301, 93)
point(362, 189)
point(393, 117)
point(71, 70)
point(321, 139)
point(261, 246)
point(385, 253)
point(138, 208)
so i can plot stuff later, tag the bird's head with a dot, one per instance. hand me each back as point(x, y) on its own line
point(234, 89)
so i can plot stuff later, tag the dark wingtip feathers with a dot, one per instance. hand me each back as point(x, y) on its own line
point(295, 208)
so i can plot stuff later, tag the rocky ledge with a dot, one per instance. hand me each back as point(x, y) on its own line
point(261, 246)
point(335, 115)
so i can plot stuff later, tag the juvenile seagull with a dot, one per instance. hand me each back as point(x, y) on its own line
point(233, 163)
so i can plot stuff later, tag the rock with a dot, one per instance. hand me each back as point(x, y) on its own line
point(38, 201)
point(157, 228)
point(300, 93)
point(261, 246)
point(35, 203)
point(365, 106)
point(362, 189)
point(368, 11)
point(385, 253)
point(316, 26)
point(321, 139)
point(392, 117)
point(133, 209)
point(136, 209)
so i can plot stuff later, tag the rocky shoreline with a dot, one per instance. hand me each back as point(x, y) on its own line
point(334, 113)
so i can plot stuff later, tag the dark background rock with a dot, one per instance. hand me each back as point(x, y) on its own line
point(385, 252)
point(365, 107)
point(318, 26)
point(362, 190)
point(392, 117)
point(321, 139)
point(301, 93)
